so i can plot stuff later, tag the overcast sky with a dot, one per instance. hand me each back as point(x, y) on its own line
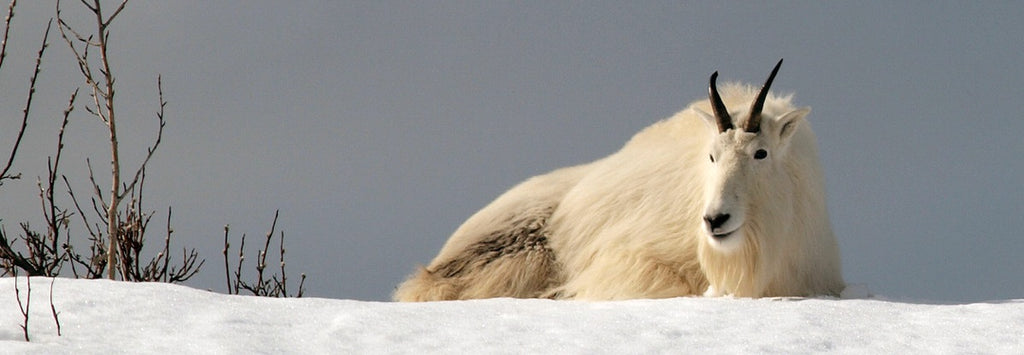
point(378, 127)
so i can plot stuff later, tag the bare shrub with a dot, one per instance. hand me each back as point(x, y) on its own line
point(264, 285)
point(122, 231)
point(122, 225)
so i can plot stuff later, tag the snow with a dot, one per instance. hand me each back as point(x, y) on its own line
point(103, 317)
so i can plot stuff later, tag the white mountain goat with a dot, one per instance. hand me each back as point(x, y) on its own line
point(720, 203)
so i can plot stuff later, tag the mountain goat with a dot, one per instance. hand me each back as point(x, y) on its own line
point(730, 202)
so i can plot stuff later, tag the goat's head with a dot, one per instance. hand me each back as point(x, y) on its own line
point(746, 167)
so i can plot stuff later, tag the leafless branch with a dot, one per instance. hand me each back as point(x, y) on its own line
point(284, 276)
point(102, 94)
point(227, 266)
point(112, 16)
point(7, 29)
point(45, 253)
point(263, 285)
point(97, 192)
point(159, 268)
point(238, 270)
point(5, 173)
point(28, 302)
point(152, 148)
point(117, 239)
point(53, 309)
point(53, 168)
point(81, 213)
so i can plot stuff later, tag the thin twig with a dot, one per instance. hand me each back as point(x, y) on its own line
point(53, 309)
point(263, 285)
point(159, 135)
point(261, 264)
point(54, 167)
point(284, 277)
point(241, 259)
point(7, 29)
point(78, 207)
point(227, 264)
point(56, 218)
point(97, 192)
point(4, 174)
point(167, 246)
point(45, 256)
point(28, 302)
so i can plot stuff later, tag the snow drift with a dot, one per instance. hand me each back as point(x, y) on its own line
point(101, 317)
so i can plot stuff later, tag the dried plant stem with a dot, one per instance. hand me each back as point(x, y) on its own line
point(269, 286)
point(53, 309)
point(103, 93)
point(115, 161)
point(24, 121)
point(28, 302)
point(7, 29)
point(5, 172)
point(227, 266)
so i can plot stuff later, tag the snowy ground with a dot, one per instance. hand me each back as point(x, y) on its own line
point(102, 317)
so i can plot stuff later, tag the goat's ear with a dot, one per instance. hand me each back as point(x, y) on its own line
point(708, 119)
point(789, 122)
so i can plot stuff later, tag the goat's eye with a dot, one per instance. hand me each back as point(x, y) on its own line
point(712, 157)
point(760, 154)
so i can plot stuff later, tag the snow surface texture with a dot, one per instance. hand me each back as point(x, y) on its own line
point(102, 317)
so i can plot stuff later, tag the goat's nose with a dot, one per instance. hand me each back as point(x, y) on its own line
point(715, 222)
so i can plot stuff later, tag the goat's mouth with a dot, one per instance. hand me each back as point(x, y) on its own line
point(725, 242)
point(720, 236)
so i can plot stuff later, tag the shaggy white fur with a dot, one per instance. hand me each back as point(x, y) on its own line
point(632, 225)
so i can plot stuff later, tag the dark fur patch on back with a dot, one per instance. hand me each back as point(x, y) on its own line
point(520, 235)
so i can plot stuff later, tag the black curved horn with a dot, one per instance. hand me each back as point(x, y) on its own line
point(721, 113)
point(754, 122)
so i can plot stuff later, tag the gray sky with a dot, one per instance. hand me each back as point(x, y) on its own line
point(377, 128)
